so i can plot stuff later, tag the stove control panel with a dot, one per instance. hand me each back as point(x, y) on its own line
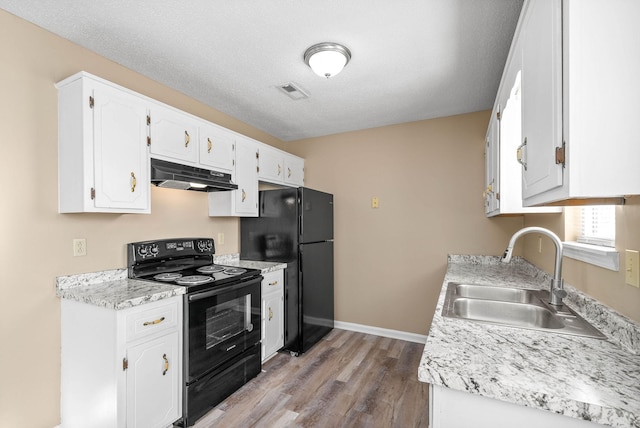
point(170, 248)
point(150, 250)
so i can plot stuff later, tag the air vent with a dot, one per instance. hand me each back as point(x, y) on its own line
point(293, 91)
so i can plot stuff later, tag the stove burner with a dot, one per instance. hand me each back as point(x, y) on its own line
point(167, 277)
point(210, 269)
point(194, 280)
point(234, 271)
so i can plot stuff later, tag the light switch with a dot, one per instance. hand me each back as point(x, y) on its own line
point(220, 238)
point(375, 203)
point(631, 261)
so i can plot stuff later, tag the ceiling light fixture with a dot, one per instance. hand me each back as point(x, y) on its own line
point(327, 59)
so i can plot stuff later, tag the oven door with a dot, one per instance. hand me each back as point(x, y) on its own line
point(221, 323)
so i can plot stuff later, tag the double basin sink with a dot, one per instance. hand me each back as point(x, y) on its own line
point(514, 307)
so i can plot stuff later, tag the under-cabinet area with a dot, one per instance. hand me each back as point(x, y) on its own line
point(109, 134)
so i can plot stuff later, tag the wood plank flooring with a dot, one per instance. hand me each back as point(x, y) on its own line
point(348, 379)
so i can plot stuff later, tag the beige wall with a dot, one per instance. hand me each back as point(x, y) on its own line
point(605, 285)
point(37, 241)
point(428, 176)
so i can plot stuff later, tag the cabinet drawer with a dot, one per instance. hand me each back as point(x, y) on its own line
point(272, 282)
point(150, 319)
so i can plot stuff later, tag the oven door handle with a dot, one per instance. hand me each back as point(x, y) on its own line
point(207, 294)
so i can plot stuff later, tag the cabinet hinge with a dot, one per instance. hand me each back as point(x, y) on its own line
point(125, 364)
point(91, 102)
point(233, 162)
point(498, 196)
point(498, 115)
point(257, 155)
point(257, 169)
point(93, 193)
point(148, 119)
point(233, 147)
point(148, 141)
point(560, 155)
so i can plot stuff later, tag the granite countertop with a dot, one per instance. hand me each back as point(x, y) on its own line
point(584, 378)
point(112, 289)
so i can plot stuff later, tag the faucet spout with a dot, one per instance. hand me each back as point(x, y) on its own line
point(557, 291)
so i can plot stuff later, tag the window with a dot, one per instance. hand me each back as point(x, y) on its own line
point(598, 225)
point(591, 235)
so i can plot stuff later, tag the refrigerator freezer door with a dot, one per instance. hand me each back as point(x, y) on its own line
point(316, 278)
point(316, 214)
point(274, 235)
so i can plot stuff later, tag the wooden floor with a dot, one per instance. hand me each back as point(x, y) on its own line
point(346, 380)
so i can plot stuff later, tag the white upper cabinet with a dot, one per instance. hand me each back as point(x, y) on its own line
point(216, 147)
point(107, 135)
point(541, 35)
point(242, 202)
point(579, 91)
point(279, 167)
point(503, 177)
point(293, 170)
point(271, 163)
point(103, 162)
point(174, 135)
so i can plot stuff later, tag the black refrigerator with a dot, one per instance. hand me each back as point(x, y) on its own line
point(295, 226)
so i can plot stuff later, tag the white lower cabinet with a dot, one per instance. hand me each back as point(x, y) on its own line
point(121, 368)
point(449, 408)
point(272, 313)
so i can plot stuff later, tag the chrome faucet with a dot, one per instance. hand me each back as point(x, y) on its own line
point(556, 290)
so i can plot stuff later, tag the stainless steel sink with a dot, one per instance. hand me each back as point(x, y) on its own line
point(488, 292)
point(514, 307)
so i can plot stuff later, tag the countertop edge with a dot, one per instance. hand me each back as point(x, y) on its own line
point(434, 364)
point(113, 290)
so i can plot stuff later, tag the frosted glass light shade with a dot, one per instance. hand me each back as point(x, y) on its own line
point(327, 59)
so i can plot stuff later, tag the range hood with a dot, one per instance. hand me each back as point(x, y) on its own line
point(176, 176)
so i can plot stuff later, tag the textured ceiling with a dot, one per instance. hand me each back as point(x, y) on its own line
point(412, 59)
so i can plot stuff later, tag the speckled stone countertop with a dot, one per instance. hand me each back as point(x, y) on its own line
point(584, 378)
point(112, 289)
point(234, 260)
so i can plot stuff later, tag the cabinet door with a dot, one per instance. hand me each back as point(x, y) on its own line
point(491, 191)
point(153, 383)
point(244, 201)
point(246, 197)
point(273, 334)
point(293, 170)
point(541, 96)
point(216, 147)
point(121, 160)
point(271, 163)
point(174, 135)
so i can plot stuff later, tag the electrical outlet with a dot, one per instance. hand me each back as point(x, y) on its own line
point(375, 202)
point(631, 261)
point(220, 238)
point(79, 247)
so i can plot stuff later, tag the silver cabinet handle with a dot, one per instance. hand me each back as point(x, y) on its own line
point(521, 153)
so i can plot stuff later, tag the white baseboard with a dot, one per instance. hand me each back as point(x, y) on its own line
point(384, 332)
